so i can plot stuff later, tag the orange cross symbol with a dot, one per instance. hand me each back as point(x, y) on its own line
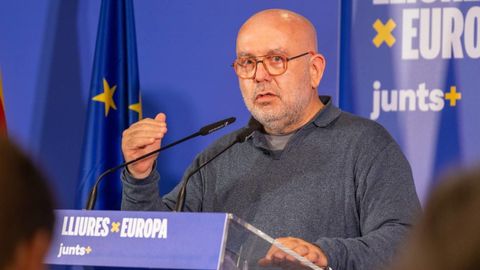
point(115, 226)
point(384, 33)
point(453, 96)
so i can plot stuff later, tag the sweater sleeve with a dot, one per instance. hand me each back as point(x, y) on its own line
point(387, 204)
point(144, 194)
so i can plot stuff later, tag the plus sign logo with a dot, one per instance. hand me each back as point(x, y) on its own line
point(420, 98)
point(453, 96)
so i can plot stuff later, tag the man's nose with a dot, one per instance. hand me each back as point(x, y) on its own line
point(261, 73)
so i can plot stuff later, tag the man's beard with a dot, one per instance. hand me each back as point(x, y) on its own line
point(279, 118)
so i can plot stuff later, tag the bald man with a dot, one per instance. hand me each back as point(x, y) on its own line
point(333, 187)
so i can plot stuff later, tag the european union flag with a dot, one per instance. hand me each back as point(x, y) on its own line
point(114, 102)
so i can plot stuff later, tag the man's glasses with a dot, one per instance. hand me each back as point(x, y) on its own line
point(274, 64)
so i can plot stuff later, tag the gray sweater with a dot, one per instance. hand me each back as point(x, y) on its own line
point(341, 182)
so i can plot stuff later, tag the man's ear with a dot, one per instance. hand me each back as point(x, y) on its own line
point(317, 66)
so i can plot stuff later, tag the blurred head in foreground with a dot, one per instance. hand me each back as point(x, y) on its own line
point(26, 211)
point(448, 235)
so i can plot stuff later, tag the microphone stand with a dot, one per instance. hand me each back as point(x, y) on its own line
point(92, 197)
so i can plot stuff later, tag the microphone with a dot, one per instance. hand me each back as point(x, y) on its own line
point(241, 137)
point(92, 197)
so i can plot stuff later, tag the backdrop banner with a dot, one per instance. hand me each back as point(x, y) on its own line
point(413, 66)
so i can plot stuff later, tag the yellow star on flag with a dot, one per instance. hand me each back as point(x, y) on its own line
point(106, 97)
point(137, 107)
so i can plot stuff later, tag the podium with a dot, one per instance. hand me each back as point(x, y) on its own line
point(162, 240)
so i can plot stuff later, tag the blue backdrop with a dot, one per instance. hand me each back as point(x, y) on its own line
point(185, 49)
point(414, 67)
point(402, 64)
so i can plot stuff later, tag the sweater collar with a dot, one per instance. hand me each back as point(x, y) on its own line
point(327, 115)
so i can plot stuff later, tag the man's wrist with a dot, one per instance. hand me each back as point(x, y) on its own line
point(140, 176)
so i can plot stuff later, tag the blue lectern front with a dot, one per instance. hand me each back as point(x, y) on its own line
point(164, 240)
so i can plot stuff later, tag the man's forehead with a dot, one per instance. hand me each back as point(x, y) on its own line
point(246, 53)
point(264, 40)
